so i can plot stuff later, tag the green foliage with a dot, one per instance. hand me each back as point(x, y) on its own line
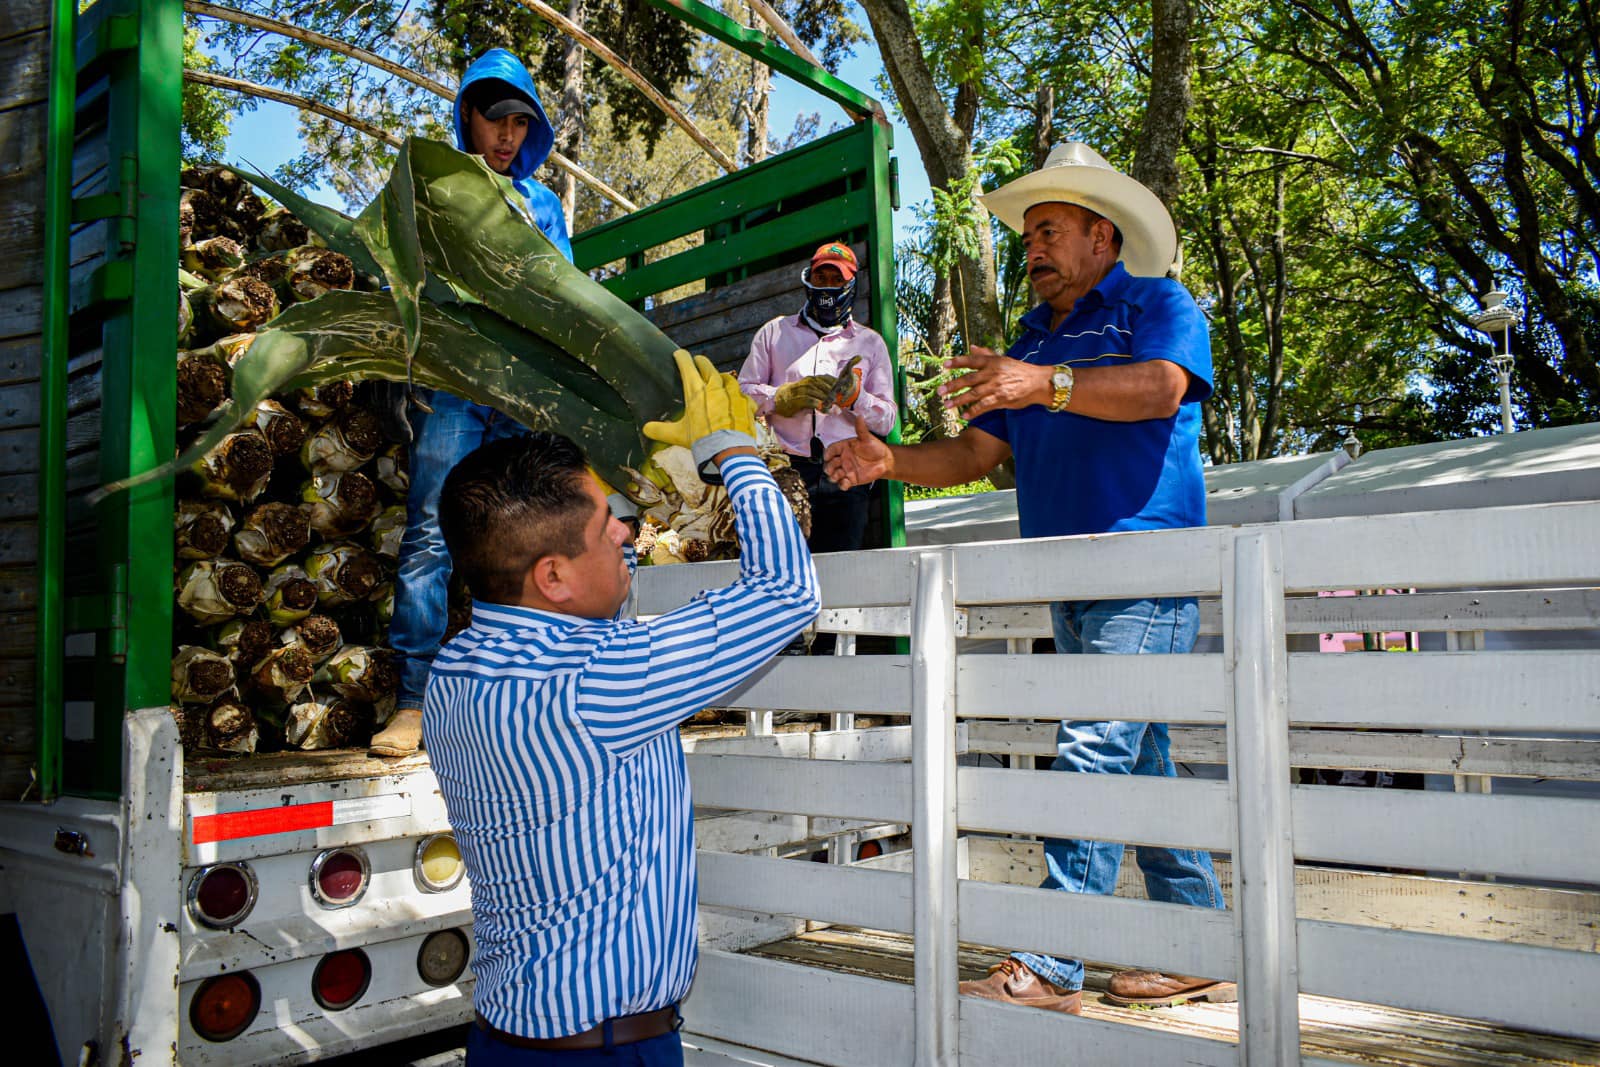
point(923, 492)
point(206, 111)
point(1353, 177)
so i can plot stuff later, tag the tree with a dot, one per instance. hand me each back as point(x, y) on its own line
point(943, 133)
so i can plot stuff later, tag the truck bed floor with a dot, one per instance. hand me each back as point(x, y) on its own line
point(1334, 1029)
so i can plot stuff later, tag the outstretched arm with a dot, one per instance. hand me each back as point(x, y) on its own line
point(955, 461)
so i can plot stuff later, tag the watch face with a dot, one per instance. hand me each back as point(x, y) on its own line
point(1060, 379)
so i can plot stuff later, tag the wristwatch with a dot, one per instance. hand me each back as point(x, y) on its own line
point(1061, 386)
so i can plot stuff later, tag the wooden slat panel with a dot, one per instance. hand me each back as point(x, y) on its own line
point(814, 1015)
point(1489, 911)
point(1105, 807)
point(1168, 937)
point(1449, 690)
point(1528, 837)
point(849, 579)
point(863, 684)
point(880, 791)
point(26, 60)
point(1547, 544)
point(23, 16)
point(20, 311)
point(855, 896)
point(1159, 563)
point(1186, 688)
point(1367, 750)
point(18, 589)
point(997, 1033)
point(1543, 989)
point(19, 542)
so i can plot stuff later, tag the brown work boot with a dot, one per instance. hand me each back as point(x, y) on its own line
point(1151, 989)
point(402, 737)
point(1014, 982)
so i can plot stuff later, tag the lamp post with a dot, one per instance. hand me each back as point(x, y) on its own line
point(1497, 317)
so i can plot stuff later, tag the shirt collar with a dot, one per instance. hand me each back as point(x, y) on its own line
point(1109, 291)
point(515, 617)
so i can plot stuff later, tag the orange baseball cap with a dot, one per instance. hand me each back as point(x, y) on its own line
point(838, 254)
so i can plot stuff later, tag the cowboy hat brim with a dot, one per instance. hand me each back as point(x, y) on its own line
point(1149, 240)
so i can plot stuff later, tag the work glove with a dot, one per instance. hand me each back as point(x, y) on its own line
point(716, 415)
point(814, 393)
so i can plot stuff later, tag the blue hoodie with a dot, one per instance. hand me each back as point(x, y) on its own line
point(545, 205)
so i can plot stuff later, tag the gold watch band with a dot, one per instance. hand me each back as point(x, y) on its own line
point(1060, 396)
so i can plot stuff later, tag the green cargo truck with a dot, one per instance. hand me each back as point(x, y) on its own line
point(281, 907)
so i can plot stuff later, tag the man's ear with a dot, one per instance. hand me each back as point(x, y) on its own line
point(547, 580)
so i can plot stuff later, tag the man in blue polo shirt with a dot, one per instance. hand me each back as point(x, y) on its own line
point(1099, 403)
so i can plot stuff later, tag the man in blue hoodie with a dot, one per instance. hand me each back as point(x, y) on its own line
point(497, 116)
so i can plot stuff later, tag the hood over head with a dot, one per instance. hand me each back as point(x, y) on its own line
point(501, 64)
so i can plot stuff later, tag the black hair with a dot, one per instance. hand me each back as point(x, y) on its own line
point(509, 503)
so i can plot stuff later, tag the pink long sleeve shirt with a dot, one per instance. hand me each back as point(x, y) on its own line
point(786, 350)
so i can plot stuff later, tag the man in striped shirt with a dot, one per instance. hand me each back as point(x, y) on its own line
point(552, 727)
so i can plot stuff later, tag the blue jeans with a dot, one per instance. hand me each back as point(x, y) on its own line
point(444, 437)
point(1175, 876)
point(663, 1051)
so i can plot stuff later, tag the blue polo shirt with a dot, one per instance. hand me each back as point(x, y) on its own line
point(1079, 475)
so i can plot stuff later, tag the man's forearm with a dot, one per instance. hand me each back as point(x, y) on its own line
point(937, 464)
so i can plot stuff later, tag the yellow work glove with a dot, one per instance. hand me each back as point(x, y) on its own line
point(813, 393)
point(716, 414)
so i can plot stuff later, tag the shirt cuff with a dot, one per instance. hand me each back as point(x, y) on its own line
point(708, 446)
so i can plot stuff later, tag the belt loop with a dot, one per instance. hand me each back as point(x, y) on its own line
point(605, 1031)
point(677, 1018)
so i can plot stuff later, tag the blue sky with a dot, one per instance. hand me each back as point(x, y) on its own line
point(269, 136)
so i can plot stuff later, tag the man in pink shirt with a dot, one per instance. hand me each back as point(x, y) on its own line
point(793, 362)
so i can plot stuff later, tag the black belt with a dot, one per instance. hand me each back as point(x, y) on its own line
point(623, 1030)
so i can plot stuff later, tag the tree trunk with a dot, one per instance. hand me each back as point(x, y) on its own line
point(1044, 121)
point(569, 114)
point(945, 150)
point(1155, 161)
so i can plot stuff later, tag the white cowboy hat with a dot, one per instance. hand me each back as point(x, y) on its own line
point(1074, 173)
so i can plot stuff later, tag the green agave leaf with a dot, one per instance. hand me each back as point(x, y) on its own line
point(336, 228)
point(388, 227)
point(346, 334)
point(474, 227)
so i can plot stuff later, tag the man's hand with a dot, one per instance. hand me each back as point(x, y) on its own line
point(860, 460)
point(996, 381)
point(813, 393)
point(711, 402)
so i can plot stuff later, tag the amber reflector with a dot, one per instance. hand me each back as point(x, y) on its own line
point(224, 1006)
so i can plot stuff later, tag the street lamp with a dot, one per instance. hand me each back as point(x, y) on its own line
point(1495, 318)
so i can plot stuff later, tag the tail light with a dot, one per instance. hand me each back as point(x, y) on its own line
point(443, 957)
point(223, 1007)
point(339, 877)
point(438, 865)
point(221, 896)
point(341, 978)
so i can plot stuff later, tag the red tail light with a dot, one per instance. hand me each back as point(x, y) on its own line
point(221, 896)
point(224, 1007)
point(341, 979)
point(339, 877)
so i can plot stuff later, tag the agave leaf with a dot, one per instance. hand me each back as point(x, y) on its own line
point(474, 227)
point(346, 334)
point(388, 227)
point(334, 227)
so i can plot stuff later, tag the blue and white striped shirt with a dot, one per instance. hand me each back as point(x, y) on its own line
point(555, 744)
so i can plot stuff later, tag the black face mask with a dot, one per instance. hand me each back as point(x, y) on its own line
point(828, 307)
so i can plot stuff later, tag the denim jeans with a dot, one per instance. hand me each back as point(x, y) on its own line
point(1175, 876)
point(444, 437)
